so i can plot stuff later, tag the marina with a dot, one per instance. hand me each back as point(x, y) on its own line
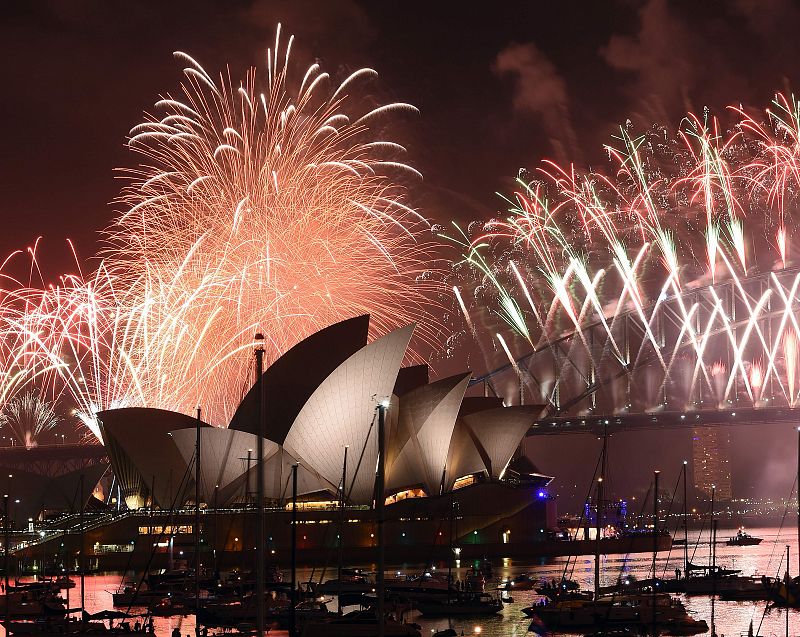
point(731, 617)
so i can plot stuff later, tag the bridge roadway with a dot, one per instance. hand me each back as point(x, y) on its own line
point(598, 424)
point(52, 460)
point(60, 458)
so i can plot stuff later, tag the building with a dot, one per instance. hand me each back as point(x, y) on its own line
point(321, 402)
point(711, 468)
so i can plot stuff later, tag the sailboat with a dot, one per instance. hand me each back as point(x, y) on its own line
point(619, 611)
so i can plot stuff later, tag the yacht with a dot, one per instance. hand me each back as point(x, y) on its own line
point(464, 604)
point(635, 610)
point(744, 539)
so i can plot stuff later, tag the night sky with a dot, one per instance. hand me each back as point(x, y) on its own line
point(499, 85)
point(499, 88)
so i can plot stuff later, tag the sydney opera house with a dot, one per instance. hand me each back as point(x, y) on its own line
point(447, 456)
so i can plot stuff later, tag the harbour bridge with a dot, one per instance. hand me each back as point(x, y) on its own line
point(722, 353)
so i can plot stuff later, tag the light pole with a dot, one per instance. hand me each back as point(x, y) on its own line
point(293, 598)
point(258, 347)
point(197, 452)
point(380, 503)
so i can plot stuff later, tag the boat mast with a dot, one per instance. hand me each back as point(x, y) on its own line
point(685, 523)
point(655, 546)
point(246, 529)
point(713, 577)
point(197, 526)
point(340, 564)
point(380, 502)
point(598, 528)
point(259, 352)
point(711, 528)
point(6, 551)
point(82, 564)
point(66, 560)
point(598, 517)
point(786, 610)
point(293, 598)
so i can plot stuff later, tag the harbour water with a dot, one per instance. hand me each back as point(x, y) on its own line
point(731, 619)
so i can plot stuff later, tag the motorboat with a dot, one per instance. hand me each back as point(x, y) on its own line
point(469, 604)
point(350, 580)
point(358, 624)
point(634, 610)
point(524, 582)
point(613, 632)
point(744, 539)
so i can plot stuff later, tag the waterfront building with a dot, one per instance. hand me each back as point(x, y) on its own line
point(711, 468)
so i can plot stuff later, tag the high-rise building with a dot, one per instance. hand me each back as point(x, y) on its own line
point(711, 463)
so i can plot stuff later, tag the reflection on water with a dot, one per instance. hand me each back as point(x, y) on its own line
point(731, 618)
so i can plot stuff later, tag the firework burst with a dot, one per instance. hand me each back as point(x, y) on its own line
point(583, 253)
point(277, 211)
point(271, 205)
point(27, 416)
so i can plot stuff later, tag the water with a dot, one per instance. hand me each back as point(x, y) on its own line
point(731, 618)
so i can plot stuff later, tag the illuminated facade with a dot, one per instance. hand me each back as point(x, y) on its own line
point(711, 447)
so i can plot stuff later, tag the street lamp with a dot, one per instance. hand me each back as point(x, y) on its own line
point(380, 502)
point(258, 350)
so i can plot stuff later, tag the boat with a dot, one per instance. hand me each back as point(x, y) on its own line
point(686, 626)
point(169, 606)
point(351, 580)
point(233, 611)
point(421, 586)
point(783, 592)
point(613, 632)
point(64, 582)
point(557, 590)
point(129, 596)
point(358, 624)
point(744, 539)
point(638, 610)
point(729, 584)
point(524, 582)
point(66, 626)
point(632, 611)
point(466, 605)
point(786, 591)
point(181, 576)
point(31, 604)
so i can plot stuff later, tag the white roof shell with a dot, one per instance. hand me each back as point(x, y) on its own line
point(342, 411)
point(485, 441)
point(420, 434)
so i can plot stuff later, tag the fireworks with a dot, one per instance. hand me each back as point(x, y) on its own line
point(273, 211)
point(270, 205)
point(673, 233)
point(27, 416)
